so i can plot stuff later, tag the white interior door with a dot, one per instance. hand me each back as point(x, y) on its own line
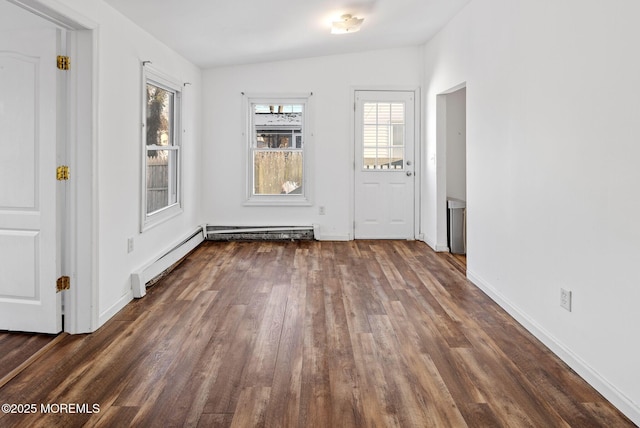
point(29, 263)
point(384, 165)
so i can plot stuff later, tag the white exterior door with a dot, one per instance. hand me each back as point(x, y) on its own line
point(29, 262)
point(384, 165)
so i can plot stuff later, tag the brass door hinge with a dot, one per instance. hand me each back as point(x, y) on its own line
point(64, 63)
point(62, 173)
point(63, 283)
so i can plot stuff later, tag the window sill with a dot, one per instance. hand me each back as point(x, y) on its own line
point(160, 217)
point(277, 201)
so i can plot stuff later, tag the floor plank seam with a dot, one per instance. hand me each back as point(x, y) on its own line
point(32, 359)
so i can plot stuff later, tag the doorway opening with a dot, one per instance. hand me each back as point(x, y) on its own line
point(452, 190)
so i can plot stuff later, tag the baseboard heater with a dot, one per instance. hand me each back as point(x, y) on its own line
point(164, 263)
point(260, 233)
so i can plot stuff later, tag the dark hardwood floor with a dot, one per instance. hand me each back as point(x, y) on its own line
point(19, 349)
point(309, 334)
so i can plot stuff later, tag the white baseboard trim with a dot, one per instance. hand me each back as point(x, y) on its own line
point(167, 258)
point(609, 391)
point(334, 238)
point(432, 243)
point(114, 309)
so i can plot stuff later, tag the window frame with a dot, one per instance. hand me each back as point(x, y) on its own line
point(302, 199)
point(156, 78)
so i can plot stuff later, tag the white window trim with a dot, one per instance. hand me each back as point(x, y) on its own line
point(156, 77)
point(307, 138)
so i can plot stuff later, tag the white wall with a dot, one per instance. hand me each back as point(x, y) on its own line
point(332, 80)
point(121, 47)
point(553, 108)
point(553, 103)
point(456, 144)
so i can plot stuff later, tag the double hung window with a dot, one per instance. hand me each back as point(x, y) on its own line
point(277, 151)
point(161, 148)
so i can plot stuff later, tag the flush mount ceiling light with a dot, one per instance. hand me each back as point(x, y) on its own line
point(347, 24)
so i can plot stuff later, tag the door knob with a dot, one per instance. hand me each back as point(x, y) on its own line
point(409, 173)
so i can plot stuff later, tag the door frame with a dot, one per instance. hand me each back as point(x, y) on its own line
point(417, 147)
point(80, 303)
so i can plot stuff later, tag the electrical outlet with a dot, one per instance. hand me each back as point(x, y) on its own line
point(565, 299)
point(321, 210)
point(130, 245)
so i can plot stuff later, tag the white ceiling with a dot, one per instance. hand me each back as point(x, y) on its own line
point(213, 33)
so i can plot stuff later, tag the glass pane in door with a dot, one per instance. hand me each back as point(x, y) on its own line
point(383, 136)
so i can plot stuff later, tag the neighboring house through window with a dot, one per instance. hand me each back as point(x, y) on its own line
point(277, 151)
point(161, 148)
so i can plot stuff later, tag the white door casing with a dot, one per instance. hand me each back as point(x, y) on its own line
point(384, 194)
point(29, 260)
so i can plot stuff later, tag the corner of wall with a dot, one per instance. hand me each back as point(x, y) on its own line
point(114, 309)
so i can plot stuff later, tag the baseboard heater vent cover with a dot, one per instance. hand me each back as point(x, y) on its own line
point(163, 264)
point(260, 233)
